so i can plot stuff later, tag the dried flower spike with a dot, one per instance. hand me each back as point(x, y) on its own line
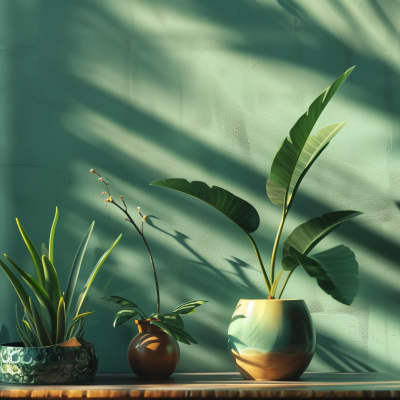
point(104, 193)
point(101, 179)
point(144, 218)
point(121, 196)
point(110, 198)
point(105, 201)
point(92, 171)
point(138, 210)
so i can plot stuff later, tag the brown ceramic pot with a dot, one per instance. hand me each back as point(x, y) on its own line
point(152, 354)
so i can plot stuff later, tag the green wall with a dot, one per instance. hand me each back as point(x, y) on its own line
point(204, 90)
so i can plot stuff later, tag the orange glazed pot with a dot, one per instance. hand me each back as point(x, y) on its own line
point(152, 354)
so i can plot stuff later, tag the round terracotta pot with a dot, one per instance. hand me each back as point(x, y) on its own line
point(271, 339)
point(152, 354)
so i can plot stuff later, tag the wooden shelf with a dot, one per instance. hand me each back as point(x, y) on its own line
point(198, 385)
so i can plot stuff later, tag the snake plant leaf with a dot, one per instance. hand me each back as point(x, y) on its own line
point(306, 236)
point(52, 285)
point(335, 270)
point(124, 303)
point(81, 324)
point(61, 321)
point(44, 250)
point(310, 152)
point(45, 302)
point(20, 290)
point(171, 319)
point(286, 158)
point(76, 320)
point(236, 209)
point(189, 307)
point(176, 333)
point(23, 337)
point(93, 275)
point(51, 240)
point(37, 262)
point(124, 315)
point(30, 334)
point(76, 266)
point(42, 333)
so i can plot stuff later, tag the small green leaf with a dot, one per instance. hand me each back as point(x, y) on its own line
point(93, 275)
point(76, 320)
point(123, 316)
point(189, 307)
point(172, 319)
point(41, 330)
point(306, 236)
point(169, 330)
point(236, 209)
point(51, 240)
point(37, 262)
point(335, 270)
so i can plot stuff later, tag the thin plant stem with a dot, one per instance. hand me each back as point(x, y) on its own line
point(284, 283)
point(260, 262)
point(275, 249)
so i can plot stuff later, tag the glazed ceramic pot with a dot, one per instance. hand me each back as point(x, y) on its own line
point(271, 339)
point(72, 361)
point(152, 354)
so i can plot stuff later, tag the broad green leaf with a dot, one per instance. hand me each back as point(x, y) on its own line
point(310, 152)
point(76, 320)
point(171, 319)
point(236, 209)
point(306, 236)
point(51, 240)
point(124, 303)
point(335, 269)
point(52, 285)
point(61, 321)
point(176, 333)
point(123, 316)
point(93, 275)
point(37, 262)
point(41, 330)
point(42, 296)
point(76, 266)
point(189, 307)
point(287, 157)
point(21, 292)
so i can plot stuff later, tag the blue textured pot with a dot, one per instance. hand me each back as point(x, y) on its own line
point(47, 365)
point(271, 339)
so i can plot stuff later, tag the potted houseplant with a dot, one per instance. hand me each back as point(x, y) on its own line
point(154, 352)
point(273, 338)
point(52, 349)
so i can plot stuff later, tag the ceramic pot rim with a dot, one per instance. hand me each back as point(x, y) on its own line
point(271, 300)
point(22, 346)
point(145, 321)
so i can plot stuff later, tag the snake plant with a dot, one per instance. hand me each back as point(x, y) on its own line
point(56, 318)
point(336, 269)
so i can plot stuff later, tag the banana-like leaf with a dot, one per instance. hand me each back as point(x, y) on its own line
point(42, 296)
point(51, 240)
point(335, 269)
point(306, 236)
point(189, 307)
point(176, 333)
point(123, 316)
point(37, 262)
point(76, 266)
point(76, 320)
point(21, 292)
point(124, 303)
point(93, 275)
point(236, 209)
point(30, 334)
point(43, 335)
point(310, 152)
point(52, 285)
point(287, 157)
point(171, 319)
point(61, 322)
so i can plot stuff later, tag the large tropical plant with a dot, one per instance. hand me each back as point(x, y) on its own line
point(56, 318)
point(336, 269)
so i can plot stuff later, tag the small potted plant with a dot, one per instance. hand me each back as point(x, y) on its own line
point(154, 352)
point(53, 349)
point(272, 338)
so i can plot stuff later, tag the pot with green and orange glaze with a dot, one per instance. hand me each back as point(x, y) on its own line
point(271, 339)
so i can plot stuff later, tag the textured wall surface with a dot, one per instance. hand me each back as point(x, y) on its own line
point(205, 90)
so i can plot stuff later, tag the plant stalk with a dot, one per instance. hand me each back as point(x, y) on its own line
point(275, 249)
point(284, 283)
point(260, 262)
